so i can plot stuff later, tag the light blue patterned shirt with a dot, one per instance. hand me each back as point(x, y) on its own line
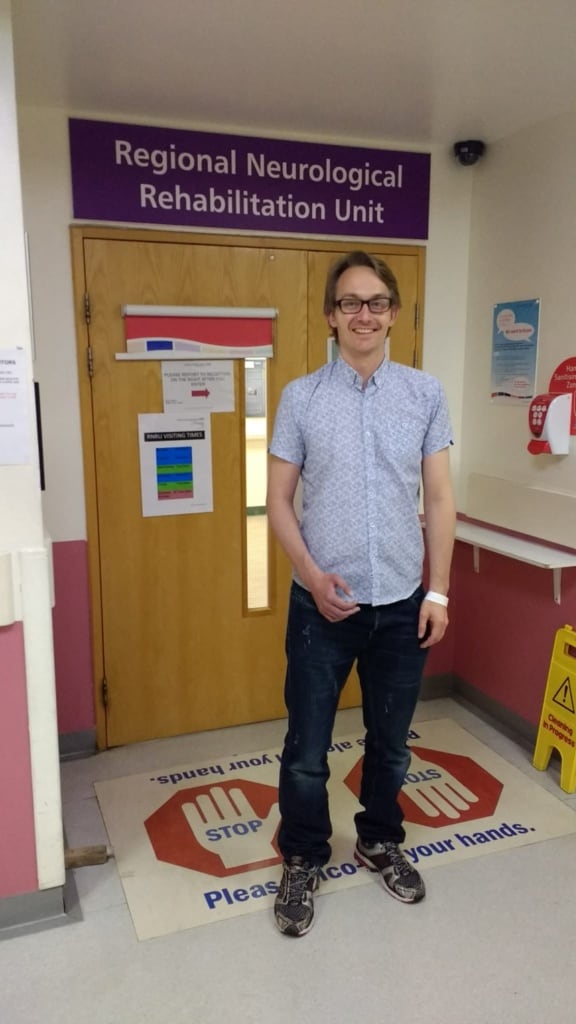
point(360, 454)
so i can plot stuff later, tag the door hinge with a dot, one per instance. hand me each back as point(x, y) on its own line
point(104, 692)
point(416, 326)
point(87, 309)
point(90, 361)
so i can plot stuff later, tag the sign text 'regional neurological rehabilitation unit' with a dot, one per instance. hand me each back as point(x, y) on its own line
point(143, 174)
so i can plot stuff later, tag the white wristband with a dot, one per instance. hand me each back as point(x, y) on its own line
point(437, 598)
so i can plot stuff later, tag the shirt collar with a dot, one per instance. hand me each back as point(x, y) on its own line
point(350, 376)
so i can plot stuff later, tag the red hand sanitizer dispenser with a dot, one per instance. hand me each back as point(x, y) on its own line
point(549, 422)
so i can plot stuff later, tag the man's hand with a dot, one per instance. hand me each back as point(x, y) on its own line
point(432, 623)
point(331, 604)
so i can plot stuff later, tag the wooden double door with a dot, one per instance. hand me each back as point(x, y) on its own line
point(176, 647)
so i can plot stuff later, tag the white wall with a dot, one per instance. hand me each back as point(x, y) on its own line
point(20, 509)
point(446, 288)
point(48, 214)
point(21, 526)
point(523, 245)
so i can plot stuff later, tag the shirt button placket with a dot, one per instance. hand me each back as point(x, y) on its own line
point(371, 484)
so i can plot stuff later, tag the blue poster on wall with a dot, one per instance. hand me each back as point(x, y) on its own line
point(514, 350)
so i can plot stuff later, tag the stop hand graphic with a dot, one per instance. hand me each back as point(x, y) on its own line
point(207, 828)
point(441, 788)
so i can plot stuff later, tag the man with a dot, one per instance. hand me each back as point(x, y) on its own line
point(362, 433)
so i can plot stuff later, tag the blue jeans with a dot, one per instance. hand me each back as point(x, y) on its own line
point(383, 641)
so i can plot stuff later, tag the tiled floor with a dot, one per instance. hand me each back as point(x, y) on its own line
point(493, 943)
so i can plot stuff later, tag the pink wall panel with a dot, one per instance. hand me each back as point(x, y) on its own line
point(502, 626)
point(72, 644)
point(505, 623)
point(17, 839)
point(441, 656)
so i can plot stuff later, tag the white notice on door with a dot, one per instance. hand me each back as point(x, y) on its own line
point(198, 384)
point(15, 447)
point(175, 464)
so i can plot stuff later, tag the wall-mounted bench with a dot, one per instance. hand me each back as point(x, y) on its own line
point(522, 549)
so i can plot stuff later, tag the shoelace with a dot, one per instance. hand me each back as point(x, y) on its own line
point(296, 881)
point(398, 860)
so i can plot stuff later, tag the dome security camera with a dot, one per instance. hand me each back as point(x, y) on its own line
point(468, 153)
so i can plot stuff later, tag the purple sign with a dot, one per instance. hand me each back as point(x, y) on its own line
point(148, 175)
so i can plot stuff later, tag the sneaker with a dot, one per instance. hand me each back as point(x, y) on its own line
point(294, 905)
point(398, 877)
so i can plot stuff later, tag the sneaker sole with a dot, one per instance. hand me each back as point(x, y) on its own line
point(392, 892)
point(291, 930)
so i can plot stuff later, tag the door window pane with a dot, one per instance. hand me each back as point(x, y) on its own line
point(256, 433)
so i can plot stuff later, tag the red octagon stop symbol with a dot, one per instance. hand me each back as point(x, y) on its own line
point(174, 841)
point(452, 768)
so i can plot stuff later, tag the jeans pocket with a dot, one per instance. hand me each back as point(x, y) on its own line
point(302, 597)
point(418, 596)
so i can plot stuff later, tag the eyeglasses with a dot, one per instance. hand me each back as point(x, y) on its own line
point(352, 304)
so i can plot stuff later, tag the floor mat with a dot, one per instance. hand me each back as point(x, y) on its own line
point(197, 842)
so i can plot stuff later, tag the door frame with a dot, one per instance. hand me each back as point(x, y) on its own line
point(81, 233)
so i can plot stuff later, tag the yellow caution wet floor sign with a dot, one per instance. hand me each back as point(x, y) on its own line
point(557, 729)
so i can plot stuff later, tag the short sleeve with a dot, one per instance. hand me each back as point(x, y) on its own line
point(439, 433)
point(287, 438)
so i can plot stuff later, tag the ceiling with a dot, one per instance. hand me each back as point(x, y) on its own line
point(406, 71)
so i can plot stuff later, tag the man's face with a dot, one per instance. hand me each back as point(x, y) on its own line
point(363, 333)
